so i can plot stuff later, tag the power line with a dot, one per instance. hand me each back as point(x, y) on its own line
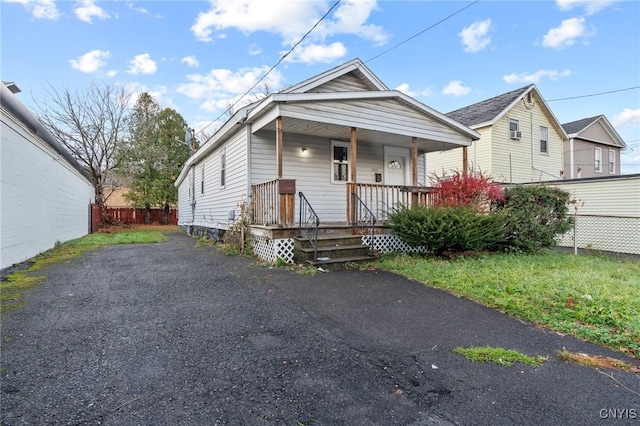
point(421, 32)
point(273, 67)
point(594, 94)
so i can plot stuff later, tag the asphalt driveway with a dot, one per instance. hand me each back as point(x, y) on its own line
point(181, 334)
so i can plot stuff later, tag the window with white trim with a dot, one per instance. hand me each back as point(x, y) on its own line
point(598, 159)
point(514, 129)
point(202, 179)
point(223, 169)
point(612, 162)
point(340, 162)
point(544, 140)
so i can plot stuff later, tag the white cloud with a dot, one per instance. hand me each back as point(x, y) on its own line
point(142, 64)
point(536, 76)
point(590, 6)
point(475, 37)
point(87, 10)
point(404, 88)
point(566, 34)
point(278, 16)
point(290, 19)
point(254, 50)
point(191, 61)
point(351, 18)
point(221, 85)
point(456, 88)
point(90, 62)
point(628, 117)
point(315, 53)
point(39, 9)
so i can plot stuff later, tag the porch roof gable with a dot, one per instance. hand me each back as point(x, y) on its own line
point(355, 66)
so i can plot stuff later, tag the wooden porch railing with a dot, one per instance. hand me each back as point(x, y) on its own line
point(382, 199)
point(274, 202)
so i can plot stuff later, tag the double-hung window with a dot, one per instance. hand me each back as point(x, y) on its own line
point(202, 179)
point(223, 169)
point(612, 162)
point(514, 129)
point(598, 160)
point(340, 162)
point(544, 140)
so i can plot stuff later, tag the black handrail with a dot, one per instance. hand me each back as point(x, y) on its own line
point(309, 223)
point(362, 217)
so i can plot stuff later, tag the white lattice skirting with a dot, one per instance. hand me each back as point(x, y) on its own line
point(617, 234)
point(272, 249)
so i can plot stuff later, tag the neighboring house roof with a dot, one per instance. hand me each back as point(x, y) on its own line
point(487, 112)
point(368, 88)
point(578, 128)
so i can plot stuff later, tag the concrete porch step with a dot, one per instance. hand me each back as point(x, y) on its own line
point(334, 264)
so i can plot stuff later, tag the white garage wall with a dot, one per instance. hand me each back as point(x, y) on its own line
point(44, 199)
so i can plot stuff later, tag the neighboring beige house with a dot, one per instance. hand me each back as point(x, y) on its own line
point(592, 149)
point(520, 139)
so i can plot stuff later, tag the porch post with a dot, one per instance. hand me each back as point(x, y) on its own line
point(465, 161)
point(414, 161)
point(279, 146)
point(350, 186)
point(354, 149)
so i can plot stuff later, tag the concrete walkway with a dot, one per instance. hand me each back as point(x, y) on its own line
point(180, 334)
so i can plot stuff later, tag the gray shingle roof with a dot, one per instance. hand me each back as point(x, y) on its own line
point(486, 110)
point(578, 125)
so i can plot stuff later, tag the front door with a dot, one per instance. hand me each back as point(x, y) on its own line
point(395, 169)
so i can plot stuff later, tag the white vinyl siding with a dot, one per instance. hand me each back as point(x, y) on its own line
point(597, 159)
point(212, 210)
point(344, 83)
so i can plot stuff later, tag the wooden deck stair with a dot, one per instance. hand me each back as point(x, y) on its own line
point(334, 251)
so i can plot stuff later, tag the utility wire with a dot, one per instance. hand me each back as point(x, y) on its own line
point(421, 32)
point(274, 67)
point(594, 94)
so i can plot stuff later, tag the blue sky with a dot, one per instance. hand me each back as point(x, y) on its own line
point(201, 56)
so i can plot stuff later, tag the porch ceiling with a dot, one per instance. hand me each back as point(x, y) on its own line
point(343, 133)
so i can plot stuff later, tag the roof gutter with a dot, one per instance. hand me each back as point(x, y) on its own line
point(11, 103)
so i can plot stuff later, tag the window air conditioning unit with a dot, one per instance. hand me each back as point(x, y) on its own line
point(513, 134)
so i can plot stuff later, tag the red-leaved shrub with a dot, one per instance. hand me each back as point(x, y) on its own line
point(473, 190)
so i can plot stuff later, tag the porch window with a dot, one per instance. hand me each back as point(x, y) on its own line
point(223, 169)
point(544, 140)
point(612, 162)
point(598, 160)
point(340, 162)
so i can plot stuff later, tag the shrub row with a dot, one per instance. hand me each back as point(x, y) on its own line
point(527, 219)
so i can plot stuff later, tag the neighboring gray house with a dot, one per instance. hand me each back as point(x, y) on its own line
point(520, 139)
point(335, 134)
point(45, 194)
point(592, 149)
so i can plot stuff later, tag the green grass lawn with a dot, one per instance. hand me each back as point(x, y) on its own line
point(13, 286)
point(591, 297)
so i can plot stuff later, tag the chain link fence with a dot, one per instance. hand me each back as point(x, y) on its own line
point(607, 233)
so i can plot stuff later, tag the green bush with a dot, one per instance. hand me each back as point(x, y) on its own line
point(535, 215)
point(441, 229)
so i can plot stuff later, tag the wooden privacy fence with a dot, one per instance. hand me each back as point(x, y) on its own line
point(130, 216)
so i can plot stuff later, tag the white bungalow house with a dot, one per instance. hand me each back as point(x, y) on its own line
point(46, 195)
point(297, 156)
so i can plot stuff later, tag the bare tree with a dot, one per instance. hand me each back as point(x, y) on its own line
point(91, 125)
